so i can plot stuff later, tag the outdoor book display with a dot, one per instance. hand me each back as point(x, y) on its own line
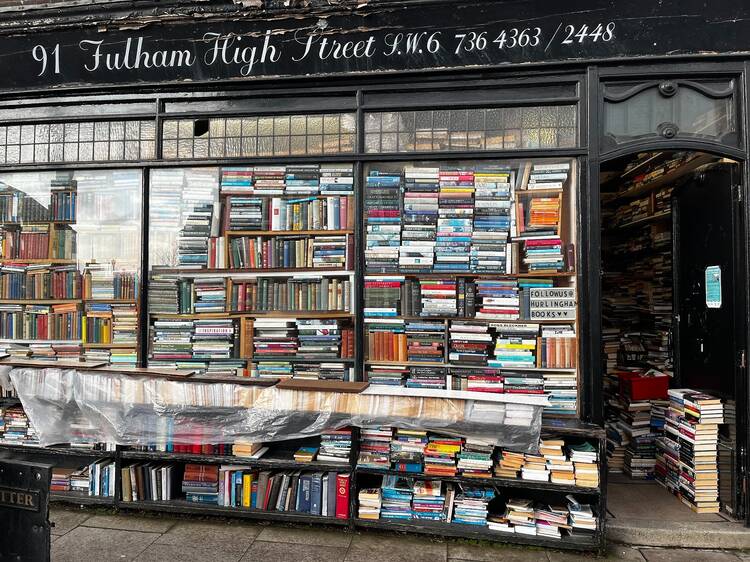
point(303, 451)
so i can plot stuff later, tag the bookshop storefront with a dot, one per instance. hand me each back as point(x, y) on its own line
point(545, 207)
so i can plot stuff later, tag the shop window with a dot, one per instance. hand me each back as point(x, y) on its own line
point(86, 141)
point(242, 137)
point(446, 130)
point(669, 109)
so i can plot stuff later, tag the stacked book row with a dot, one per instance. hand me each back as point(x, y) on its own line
point(303, 338)
point(292, 179)
point(277, 213)
point(291, 252)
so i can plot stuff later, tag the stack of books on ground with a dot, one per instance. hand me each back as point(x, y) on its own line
point(634, 420)
point(316, 493)
point(471, 505)
point(428, 501)
point(200, 483)
point(693, 426)
point(397, 493)
point(369, 503)
point(335, 445)
point(375, 447)
point(407, 450)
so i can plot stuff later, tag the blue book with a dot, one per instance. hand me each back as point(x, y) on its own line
point(316, 491)
point(303, 493)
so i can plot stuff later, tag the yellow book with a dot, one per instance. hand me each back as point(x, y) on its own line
point(247, 485)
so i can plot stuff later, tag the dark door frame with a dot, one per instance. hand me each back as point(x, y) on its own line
point(593, 230)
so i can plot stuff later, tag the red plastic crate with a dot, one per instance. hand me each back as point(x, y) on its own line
point(644, 386)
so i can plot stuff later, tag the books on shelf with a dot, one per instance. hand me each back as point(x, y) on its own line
point(200, 483)
point(383, 208)
point(291, 252)
point(308, 293)
point(150, 482)
point(39, 281)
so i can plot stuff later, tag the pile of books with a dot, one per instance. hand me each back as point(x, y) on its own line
point(335, 445)
point(424, 341)
point(497, 299)
point(420, 217)
point(689, 449)
point(477, 380)
point(210, 294)
point(493, 200)
point(515, 347)
point(585, 458)
point(387, 375)
point(383, 295)
point(469, 343)
point(440, 455)
point(319, 338)
point(15, 428)
point(475, 459)
point(548, 176)
point(407, 450)
point(236, 180)
point(200, 483)
point(383, 208)
point(213, 338)
point(306, 454)
point(375, 447)
point(455, 220)
point(336, 179)
point(426, 377)
point(275, 337)
point(428, 501)
point(397, 493)
point(370, 503)
point(471, 505)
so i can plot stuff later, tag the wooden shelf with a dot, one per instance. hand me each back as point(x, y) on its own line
point(286, 232)
point(290, 272)
point(39, 301)
point(50, 261)
point(110, 345)
point(80, 498)
point(437, 275)
point(233, 314)
point(492, 481)
point(665, 179)
point(664, 215)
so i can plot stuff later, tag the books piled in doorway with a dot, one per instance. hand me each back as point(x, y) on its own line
point(689, 449)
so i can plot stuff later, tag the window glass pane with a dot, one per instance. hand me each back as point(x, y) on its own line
point(470, 129)
point(75, 240)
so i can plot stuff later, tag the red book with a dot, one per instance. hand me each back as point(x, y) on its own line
point(342, 496)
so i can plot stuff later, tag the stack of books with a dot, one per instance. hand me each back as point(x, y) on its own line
point(497, 299)
point(61, 479)
point(471, 505)
point(515, 347)
point(469, 343)
point(336, 445)
point(397, 493)
point(455, 220)
point(210, 294)
point(319, 338)
point(383, 208)
point(302, 178)
point(477, 380)
point(275, 337)
point(431, 297)
point(420, 216)
point(387, 375)
point(306, 454)
point(509, 464)
point(336, 179)
point(269, 180)
point(424, 341)
point(548, 176)
point(369, 503)
point(440, 455)
point(375, 447)
point(236, 179)
point(407, 450)
point(428, 501)
point(561, 469)
point(550, 519)
point(493, 200)
point(585, 459)
point(383, 295)
point(200, 483)
point(426, 377)
point(475, 459)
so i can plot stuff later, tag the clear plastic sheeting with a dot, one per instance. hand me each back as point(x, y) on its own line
point(70, 406)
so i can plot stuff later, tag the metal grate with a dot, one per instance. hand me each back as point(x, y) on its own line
point(89, 141)
point(508, 128)
point(281, 135)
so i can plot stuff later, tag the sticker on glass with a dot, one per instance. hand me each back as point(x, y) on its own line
point(713, 286)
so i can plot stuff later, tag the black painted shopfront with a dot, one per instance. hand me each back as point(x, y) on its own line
point(387, 87)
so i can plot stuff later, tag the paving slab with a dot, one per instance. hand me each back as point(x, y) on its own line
point(229, 536)
point(395, 548)
point(295, 535)
point(640, 532)
point(170, 552)
point(680, 555)
point(494, 552)
point(84, 544)
point(66, 520)
point(264, 551)
point(614, 552)
point(130, 523)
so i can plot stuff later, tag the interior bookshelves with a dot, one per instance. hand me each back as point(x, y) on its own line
point(69, 264)
point(249, 277)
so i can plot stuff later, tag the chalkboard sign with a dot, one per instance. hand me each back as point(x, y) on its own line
point(376, 39)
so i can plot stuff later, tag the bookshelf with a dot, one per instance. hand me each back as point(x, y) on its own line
point(262, 257)
point(70, 264)
point(470, 278)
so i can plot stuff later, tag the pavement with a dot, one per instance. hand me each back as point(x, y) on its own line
point(82, 535)
point(644, 513)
